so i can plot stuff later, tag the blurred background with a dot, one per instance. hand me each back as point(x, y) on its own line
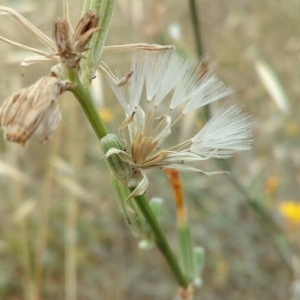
point(61, 230)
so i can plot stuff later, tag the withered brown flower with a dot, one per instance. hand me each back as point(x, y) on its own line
point(33, 110)
point(70, 49)
point(67, 46)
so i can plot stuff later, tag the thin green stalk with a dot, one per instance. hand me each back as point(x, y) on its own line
point(90, 64)
point(133, 219)
point(196, 28)
point(185, 241)
point(263, 215)
point(84, 98)
point(161, 240)
point(86, 6)
point(186, 250)
point(87, 104)
point(198, 40)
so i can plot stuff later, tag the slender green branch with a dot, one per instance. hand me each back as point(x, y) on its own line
point(86, 102)
point(196, 28)
point(282, 246)
point(105, 10)
point(198, 40)
point(90, 65)
point(186, 250)
point(160, 240)
point(84, 98)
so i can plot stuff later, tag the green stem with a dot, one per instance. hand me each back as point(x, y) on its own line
point(85, 100)
point(90, 64)
point(199, 43)
point(87, 104)
point(186, 250)
point(196, 28)
point(161, 240)
point(282, 246)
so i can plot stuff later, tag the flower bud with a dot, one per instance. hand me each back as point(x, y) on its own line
point(158, 208)
point(122, 170)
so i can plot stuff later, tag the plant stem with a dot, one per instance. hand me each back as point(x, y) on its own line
point(84, 98)
point(185, 241)
point(75, 155)
point(43, 225)
point(199, 43)
point(196, 28)
point(87, 104)
point(263, 216)
point(160, 240)
point(90, 64)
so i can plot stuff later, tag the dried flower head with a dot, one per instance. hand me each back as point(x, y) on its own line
point(33, 110)
point(65, 48)
point(165, 77)
point(70, 49)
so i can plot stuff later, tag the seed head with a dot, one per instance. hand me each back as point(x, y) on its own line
point(163, 89)
point(33, 110)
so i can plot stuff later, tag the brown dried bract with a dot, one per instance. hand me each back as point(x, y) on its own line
point(33, 110)
point(186, 294)
point(70, 49)
point(85, 29)
point(61, 35)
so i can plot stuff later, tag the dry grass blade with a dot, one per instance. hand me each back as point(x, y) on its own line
point(28, 26)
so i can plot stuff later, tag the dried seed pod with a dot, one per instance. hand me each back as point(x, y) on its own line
point(84, 31)
point(70, 49)
point(122, 170)
point(33, 110)
point(61, 34)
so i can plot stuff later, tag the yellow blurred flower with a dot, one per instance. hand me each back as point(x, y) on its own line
point(106, 114)
point(291, 211)
point(292, 129)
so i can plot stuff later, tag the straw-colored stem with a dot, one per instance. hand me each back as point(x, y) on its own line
point(70, 248)
point(43, 226)
point(22, 231)
point(76, 155)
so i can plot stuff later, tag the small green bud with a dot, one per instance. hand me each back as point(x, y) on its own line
point(122, 170)
point(199, 255)
point(158, 207)
point(146, 244)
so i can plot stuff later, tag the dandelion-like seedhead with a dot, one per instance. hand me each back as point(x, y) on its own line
point(161, 80)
